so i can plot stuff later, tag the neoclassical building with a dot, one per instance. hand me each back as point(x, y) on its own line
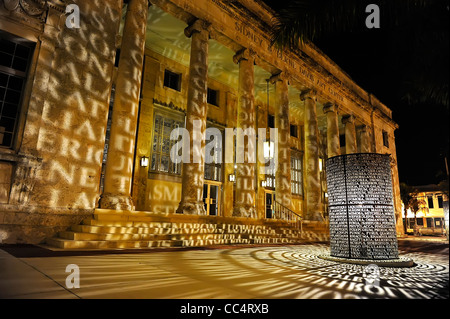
point(86, 114)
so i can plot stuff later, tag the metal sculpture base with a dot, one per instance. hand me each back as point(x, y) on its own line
point(399, 262)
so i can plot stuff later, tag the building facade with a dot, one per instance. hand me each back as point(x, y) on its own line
point(431, 215)
point(87, 113)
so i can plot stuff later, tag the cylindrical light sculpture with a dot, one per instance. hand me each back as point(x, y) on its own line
point(361, 207)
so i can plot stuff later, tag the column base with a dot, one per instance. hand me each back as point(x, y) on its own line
point(245, 211)
point(116, 202)
point(192, 208)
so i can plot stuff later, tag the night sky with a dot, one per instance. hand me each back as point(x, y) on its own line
point(384, 62)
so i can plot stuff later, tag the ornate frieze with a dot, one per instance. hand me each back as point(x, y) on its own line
point(32, 12)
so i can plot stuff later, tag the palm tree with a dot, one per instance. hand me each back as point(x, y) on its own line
point(411, 200)
point(418, 28)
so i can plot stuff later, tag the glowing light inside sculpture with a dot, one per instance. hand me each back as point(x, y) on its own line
point(362, 218)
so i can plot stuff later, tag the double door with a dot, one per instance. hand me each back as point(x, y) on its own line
point(211, 197)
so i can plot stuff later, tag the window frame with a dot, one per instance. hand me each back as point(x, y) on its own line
point(176, 118)
point(297, 172)
point(430, 200)
point(293, 128)
point(216, 99)
point(24, 92)
point(385, 139)
point(168, 82)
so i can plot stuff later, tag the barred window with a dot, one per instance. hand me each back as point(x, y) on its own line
point(296, 174)
point(162, 145)
point(15, 57)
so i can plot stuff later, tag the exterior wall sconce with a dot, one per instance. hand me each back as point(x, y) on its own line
point(232, 178)
point(144, 161)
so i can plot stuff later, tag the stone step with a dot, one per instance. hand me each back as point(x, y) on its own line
point(228, 228)
point(186, 242)
point(108, 229)
point(117, 244)
point(142, 230)
point(111, 237)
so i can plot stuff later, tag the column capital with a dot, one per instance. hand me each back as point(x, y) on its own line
point(348, 119)
point(362, 128)
point(244, 54)
point(198, 25)
point(308, 94)
point(281, 76)
point(330, 107)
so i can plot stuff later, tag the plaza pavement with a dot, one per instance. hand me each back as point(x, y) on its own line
point(230, 272)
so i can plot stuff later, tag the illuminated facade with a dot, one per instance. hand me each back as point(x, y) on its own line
point(87, 113)
point(431, 215)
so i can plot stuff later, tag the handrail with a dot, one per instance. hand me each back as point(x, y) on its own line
point(284, 213)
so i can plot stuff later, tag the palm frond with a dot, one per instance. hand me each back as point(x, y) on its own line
point(305, 20)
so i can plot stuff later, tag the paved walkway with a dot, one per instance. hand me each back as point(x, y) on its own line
point(263, 272)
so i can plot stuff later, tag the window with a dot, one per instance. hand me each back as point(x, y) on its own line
point(430, 202)
point(296, 174)
point(385, 139)
point(440, 202)
point(270, 121)
point(162, 145)
point(15, 57)
point(172, 80)
point(213, 97)
point(342, 140)
point(294, 130)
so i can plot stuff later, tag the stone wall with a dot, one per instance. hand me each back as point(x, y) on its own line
point(66, 123)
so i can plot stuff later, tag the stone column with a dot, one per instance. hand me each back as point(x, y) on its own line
point(313, 187)
point(119, 164)
point(333, 146)
point(365, 139)
point(350, 134)
point(245, 203)
point(193, 173)
point(283, 171)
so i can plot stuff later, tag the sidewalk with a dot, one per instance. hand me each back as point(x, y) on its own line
point(19, 280)
point(263, 272)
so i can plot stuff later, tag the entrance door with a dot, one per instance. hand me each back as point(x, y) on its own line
point(211, 198)
point(270, 201)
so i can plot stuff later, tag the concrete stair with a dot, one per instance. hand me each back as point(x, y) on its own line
point(108, 229)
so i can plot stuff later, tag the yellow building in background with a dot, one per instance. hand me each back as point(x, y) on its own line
point(431, 215)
